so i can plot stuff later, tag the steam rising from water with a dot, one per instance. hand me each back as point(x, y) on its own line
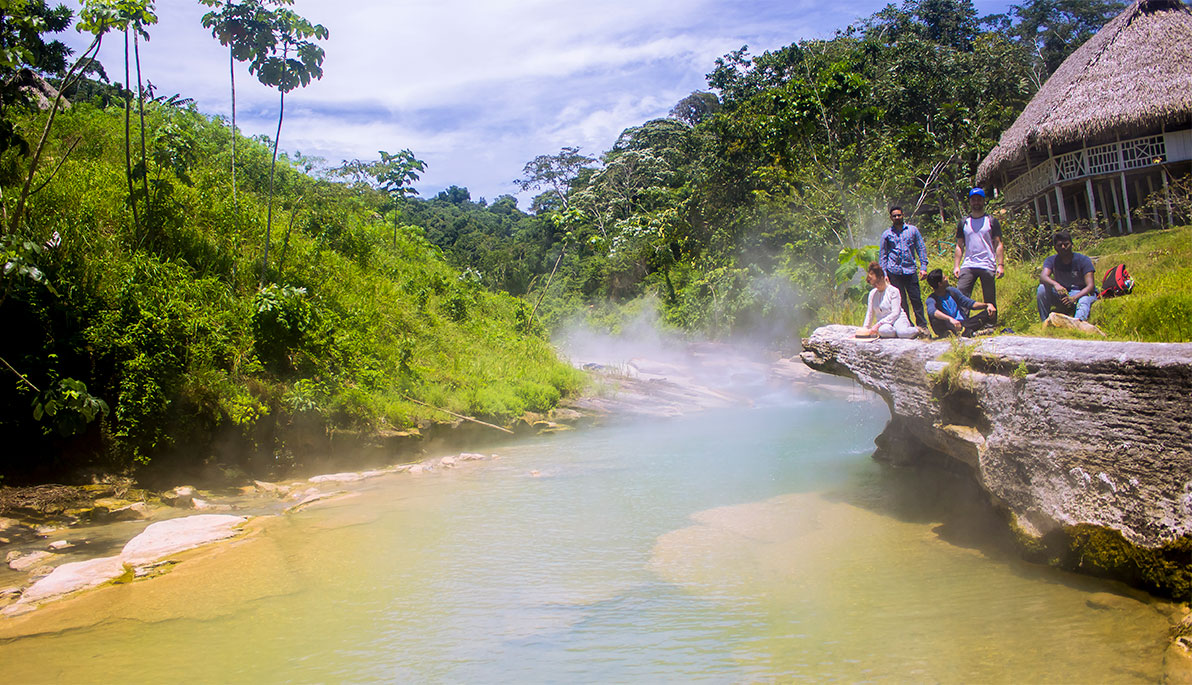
point(644, 351)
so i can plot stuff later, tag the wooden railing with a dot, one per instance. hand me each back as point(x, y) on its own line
point(1114, 157)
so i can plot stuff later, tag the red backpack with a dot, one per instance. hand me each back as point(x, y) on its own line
point(1117, 282)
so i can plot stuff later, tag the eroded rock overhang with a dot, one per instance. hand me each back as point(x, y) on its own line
point(1060, 433)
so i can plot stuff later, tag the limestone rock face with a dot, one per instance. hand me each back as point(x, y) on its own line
point(1060, 433)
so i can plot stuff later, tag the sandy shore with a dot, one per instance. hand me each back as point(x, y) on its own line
point(142, 540)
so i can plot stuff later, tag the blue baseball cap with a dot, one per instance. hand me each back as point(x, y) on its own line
point(976, 191)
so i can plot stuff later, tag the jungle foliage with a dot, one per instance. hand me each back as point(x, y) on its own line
point(212, 289)
point(733, 213)
point(133, 340)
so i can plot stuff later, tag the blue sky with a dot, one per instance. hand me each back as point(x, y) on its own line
point(476, 88)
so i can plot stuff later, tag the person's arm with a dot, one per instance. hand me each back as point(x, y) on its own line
point(869, 310)
point(1089, 286)
point(934, 313)
point(967, 304)
point(999, 248)
point(921, 246)
point(1046, 280)
point(964, 302)
point(894, 301)
point(959, 250)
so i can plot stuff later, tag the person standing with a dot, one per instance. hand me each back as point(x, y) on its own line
point(900, 244)
point(1066, 280)
point(980, 254)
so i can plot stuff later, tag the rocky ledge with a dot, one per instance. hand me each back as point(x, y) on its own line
point(1083, 444)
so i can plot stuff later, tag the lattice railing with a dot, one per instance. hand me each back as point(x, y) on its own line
point(1142, 152)
point(1094, 161)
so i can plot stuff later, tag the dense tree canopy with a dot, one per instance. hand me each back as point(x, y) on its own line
point(792, 156)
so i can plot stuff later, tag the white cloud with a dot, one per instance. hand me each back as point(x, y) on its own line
point(478, 87)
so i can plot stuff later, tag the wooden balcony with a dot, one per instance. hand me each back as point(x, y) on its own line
point(1117, 157)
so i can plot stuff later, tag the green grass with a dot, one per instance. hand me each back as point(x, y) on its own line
point(1159, 309)
point(166, 322)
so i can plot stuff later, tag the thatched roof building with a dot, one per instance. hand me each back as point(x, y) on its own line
point(1119, 104)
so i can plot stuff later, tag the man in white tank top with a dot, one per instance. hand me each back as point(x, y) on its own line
point(979, 250)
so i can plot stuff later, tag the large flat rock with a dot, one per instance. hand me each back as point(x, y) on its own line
point(1060, 433)
point(156, 542)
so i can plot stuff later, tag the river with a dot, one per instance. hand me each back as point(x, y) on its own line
point(738, 544)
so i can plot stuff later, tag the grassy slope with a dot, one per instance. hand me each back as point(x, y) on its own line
point(168, 326)
point(1159, 309)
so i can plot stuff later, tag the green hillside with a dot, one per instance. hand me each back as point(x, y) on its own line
point(172, 327)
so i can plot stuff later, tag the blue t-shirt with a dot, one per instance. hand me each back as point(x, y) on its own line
point(1070, 275)
point(950, 303)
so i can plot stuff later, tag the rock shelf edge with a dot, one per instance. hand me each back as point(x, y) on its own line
point(1084, 445)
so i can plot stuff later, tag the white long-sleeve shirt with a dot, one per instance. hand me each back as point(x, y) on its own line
point(885, 306)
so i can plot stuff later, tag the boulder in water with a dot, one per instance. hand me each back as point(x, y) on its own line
point(181, 497)
point(24, 562)
point(170, 537)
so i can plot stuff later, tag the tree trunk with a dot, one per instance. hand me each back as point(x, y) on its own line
point(141, 111)
point(67, 82)
point(272, 167)
point(132, 200)
point(232, 72)
point(547, 286)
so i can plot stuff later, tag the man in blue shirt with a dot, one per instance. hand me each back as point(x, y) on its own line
point(898, 247)
point(1066, 281)
point(950, 310)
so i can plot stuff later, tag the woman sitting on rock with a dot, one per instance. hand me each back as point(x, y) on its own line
point(884, 316)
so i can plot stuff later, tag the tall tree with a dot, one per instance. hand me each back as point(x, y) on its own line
point(695, 108)
point(1050, 30)
point(293, 60)
point(96, 19)
point(396, 175)
point(554, 173)
point(132, 16)
point(244, 29)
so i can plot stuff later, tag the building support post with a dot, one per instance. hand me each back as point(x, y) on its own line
point(1059, 199)
point(1150, 193)
point(1125, 188)
point(1126, 204)
point(1167, 197)
point(1050, 209)
point(1117, 209)
point(1088, 188)
point(1104, 203)
point(1035, 203)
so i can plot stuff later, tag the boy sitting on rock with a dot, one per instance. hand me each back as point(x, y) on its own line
point(950, 311)
point(1066, 281)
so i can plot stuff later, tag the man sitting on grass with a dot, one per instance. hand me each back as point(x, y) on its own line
point(1066, 281)
point(949, 310)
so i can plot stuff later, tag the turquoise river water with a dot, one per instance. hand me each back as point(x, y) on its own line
point(757, 544)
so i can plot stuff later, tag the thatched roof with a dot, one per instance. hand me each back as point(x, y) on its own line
point(1135, 73)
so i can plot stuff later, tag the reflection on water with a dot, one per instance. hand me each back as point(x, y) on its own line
point(738, 545)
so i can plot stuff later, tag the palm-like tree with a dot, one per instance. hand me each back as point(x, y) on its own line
point(293, 60)
point(245, 29)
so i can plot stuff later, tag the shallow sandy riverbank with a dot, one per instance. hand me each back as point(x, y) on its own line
point(709, 377)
